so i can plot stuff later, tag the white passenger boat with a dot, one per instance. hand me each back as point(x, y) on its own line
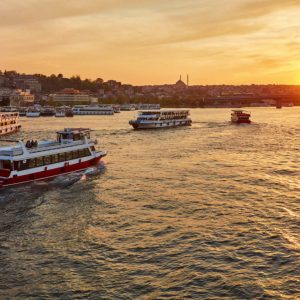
point(60, 113)
point(93, 110)
point(33, 113)
point(149, 119)
point(9, 122)
point(72, 151)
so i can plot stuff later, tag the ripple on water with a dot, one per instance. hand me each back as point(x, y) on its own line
point(205, 212)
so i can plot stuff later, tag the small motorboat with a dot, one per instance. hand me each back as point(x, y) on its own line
point(240, 117)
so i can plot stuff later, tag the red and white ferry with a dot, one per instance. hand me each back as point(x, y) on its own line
point(240, 116)
point(9, 122)
point(25, 162)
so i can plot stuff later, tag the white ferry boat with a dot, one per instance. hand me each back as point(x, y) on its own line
point(93, 110)
point(128, 107)
point(9, 122)
point(33, 112)
point(148, 119)
point(60, 113)
point(148, 106)
point(71, 152)
point(9, 109)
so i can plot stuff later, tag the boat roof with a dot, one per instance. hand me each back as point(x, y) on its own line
point(240, 110)
point(74, 130)
point(163, 110)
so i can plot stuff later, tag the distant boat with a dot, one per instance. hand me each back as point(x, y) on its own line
point(150, 119)
point(116, 109)
point(60, 113)
point(240, 117)
point(47, 111)
point(69, 112)
point(33, 113)
point(92, 110)
point(9, 122)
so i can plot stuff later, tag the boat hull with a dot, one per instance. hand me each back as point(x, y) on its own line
point(241, 122)
point(157, 125)
point(50, 173)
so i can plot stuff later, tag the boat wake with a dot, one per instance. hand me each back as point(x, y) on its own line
point(62, 181)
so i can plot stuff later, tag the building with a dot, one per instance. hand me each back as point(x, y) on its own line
point(30, 82)
point(26, 98)
point(70, 97)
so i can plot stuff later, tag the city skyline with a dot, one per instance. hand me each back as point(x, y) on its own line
point(149, 42)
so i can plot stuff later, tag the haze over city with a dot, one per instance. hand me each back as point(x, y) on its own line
point(151, 42)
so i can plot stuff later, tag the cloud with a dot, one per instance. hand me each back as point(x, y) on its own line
point(132, 36)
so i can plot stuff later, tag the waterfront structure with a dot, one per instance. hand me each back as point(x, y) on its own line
point(9, 122)
point(161, 119)
point(72, 151)
point(93, 110)
point(240, 116)
point(70, 97)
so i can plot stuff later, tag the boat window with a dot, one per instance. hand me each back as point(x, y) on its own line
point(17, 165)
point(31, 163)
point(39, 161)
point(81, 153)
point(93, 148)
point(75, 154)
point(61, 157)
point(76, 137)
point(54, 158)
point(87, 152)
point(23, 165)
point(47, 160)
point(68, 155)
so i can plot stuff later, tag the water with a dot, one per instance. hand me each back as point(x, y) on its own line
point(205, 212)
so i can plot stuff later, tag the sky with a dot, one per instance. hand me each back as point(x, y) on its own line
point(154, 41)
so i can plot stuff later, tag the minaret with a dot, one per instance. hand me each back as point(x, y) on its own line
point(180, 78)
point(187, 80)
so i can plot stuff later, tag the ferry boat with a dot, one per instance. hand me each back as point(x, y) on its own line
point(72, 151)
point(240, 116)
point(116, 109)
point(148, 106)
point(9, 122)
point(22, 111)
point(60, 113)
point(33, 112)
point(47, 111)
point(92, 110)
point(69, 113)
point(9, 109)
point(148, 119)
point(127, 107)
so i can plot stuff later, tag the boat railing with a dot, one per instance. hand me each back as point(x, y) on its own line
point(54, 145)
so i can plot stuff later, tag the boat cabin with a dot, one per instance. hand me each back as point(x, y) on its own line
point(73, 134)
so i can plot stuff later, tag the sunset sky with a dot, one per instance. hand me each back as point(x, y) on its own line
point(153, 41)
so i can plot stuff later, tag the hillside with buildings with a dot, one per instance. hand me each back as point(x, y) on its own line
point(24, 90)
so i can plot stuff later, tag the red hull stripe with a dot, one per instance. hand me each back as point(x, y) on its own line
point(50, 173)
